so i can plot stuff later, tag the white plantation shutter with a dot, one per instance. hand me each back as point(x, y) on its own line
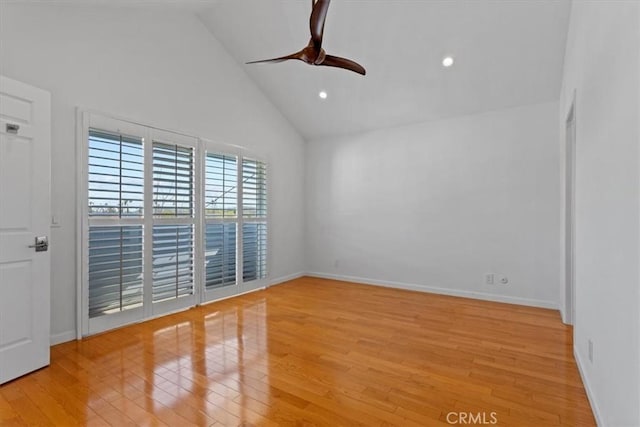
point(254, 213)
point(221, 217)
point(254, 251)
point(220, 255)
point(173, 255)
point(173, 180)
point(115, 234)
point(116, 174)
point(115, 269)
point(254, 189)
point(221, 186)
point(173, 248)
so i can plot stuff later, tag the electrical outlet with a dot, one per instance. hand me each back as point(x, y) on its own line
point(504, 280)
point(488, 279)
point(590, 351)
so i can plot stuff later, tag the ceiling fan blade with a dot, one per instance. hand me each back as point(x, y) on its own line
point(297, 55)
point(316, 22)
point(347, 64)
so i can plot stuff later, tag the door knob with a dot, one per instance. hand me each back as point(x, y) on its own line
point(41, 244)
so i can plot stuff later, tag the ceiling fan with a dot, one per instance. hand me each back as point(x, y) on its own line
point(313, 53)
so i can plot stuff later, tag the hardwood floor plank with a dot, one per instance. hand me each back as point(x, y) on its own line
point(314, 352)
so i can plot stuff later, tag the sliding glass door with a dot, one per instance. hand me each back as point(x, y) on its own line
point(235, 217)
point(169, 222)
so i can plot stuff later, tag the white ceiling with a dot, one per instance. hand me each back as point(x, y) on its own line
point(507, 53)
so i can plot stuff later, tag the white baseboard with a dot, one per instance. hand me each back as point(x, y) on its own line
point(563, 315)
point(62, 337)
point(443, 291)
point(587, 387)
point(286, 278)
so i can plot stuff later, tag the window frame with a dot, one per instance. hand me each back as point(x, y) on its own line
point(89, 119)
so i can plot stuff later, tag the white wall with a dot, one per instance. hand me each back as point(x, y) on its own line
point(157, 67)
point(435, 206)
point(602, 66)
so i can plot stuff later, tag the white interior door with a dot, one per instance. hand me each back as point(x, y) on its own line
point(25, 129)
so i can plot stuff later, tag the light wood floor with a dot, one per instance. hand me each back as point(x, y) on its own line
point(314, 352)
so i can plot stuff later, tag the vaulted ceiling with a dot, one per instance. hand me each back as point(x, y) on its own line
point(507, 53)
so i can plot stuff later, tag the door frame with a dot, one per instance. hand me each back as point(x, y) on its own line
point(570, 213)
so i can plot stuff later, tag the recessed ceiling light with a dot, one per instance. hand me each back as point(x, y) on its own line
point(447, 61)
point(322, 94)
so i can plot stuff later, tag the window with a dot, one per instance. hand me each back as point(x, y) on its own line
point(116, 181)
point(174, 222)
point(172, 261)
point(221, 217)
point(173, 190)
point(115, 261)
point(254, 212)
point(169, 221)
